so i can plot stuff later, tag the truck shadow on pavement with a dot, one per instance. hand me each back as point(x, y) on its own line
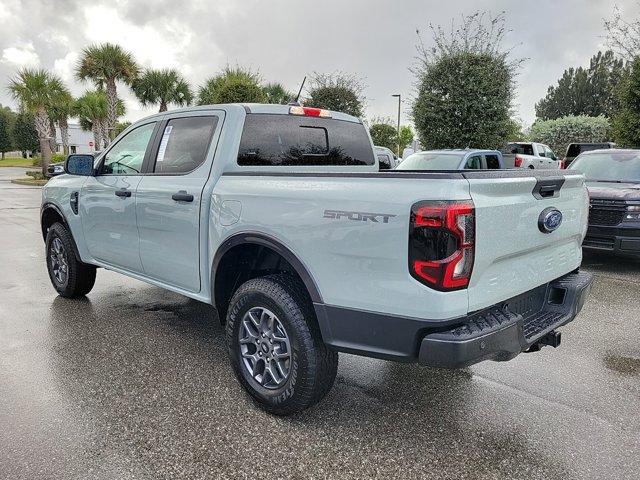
point(147, 370)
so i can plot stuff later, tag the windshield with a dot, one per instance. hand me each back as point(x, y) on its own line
point(611, 167)
point(431, 161)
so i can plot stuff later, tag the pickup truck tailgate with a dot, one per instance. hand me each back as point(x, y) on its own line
point(513, 254)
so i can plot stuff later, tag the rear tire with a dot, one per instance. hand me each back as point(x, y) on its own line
point(69, 276)
point(271, 327)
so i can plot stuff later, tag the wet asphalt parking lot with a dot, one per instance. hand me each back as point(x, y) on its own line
point(133, 382)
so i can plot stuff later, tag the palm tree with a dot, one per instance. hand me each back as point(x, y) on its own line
point(163, 87)
point(59, 112)
point(276, 93)
point(36, 91)
point(106, 64)
point(91, 109)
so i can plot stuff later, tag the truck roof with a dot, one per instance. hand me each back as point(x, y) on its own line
point(251, 108)
point(461, 150)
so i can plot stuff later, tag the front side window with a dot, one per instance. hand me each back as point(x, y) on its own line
point(540, 150)
point(292, 140)
point(126, 156)
point(549, 153)
point(184, 144)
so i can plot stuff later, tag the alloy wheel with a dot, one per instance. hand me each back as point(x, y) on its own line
point(265, 348)
point(59, 263)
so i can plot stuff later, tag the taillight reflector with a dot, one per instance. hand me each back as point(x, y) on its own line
point(517, 161)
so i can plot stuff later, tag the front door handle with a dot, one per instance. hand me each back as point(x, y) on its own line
point(123, 192)
point(182, 196)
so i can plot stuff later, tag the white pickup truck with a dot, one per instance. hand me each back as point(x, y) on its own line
point(278, 217)
point(529, 155)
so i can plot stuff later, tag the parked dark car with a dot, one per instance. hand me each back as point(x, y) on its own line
point(575, 149)
point(613, 181)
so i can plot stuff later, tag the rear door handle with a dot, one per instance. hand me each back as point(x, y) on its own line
point(123, 192)
point(182, 196)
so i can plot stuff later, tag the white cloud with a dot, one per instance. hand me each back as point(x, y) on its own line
point(64, 67)
point(25, 56)
point(152, 47)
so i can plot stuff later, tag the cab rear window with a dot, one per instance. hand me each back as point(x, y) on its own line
point(292, 140)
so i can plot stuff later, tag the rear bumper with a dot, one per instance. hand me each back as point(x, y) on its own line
point(619, 241)
point(504, 331)
point(496, 333)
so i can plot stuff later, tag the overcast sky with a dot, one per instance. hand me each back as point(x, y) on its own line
point(285, 39)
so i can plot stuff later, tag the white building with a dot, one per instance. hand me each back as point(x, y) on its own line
point(80, 141)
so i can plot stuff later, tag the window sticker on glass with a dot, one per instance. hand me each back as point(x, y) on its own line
point(163, 143)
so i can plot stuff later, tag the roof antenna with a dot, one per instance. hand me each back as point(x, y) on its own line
point(295, 102)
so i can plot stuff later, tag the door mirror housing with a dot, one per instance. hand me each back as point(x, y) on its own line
point(79, 164)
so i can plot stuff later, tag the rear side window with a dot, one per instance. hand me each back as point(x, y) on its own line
point(184, 144)
point(492, 162)
point(291, 140)
point(474, 163)
point(523, 148)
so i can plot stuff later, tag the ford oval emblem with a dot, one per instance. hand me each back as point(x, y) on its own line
point(549, 220)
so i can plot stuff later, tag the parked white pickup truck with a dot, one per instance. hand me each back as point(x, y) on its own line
point(278, 217)
point(529, 155)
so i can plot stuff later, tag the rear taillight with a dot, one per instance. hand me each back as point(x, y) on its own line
point(517, 161)
point(561, 164)
point(441, 243)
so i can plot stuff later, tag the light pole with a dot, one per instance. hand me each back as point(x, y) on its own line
point(399, 100)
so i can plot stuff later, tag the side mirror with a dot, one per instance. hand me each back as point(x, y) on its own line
point(79, 164)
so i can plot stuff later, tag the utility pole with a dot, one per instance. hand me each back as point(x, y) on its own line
point(399, 101)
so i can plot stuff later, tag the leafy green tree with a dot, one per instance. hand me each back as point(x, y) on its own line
point(232, 85)
point(276, 93)
point(626, 123)
point(560, 132)
point(465, 85)
point(384, 135)
point(336, 91)
point(162, 87)
point(37, 90)
point(406, 137)
point(515, 132)
point(121, 127)
point(106, 64)
point(7, 122)
point(585, 91)
point(25, 135)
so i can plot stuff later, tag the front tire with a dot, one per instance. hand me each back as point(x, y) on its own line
point(275, 346)
point(69, 276)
